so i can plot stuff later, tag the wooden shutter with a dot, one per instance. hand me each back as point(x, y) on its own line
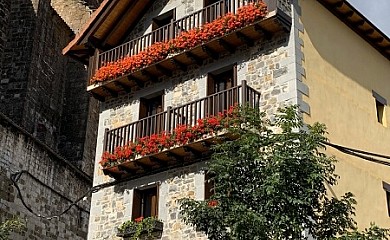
point(154, 202)
point(143, 108)
point(137, 204)
point(208, 187)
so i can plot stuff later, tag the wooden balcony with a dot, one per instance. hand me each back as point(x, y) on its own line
point(167, 121)
point(277, 19)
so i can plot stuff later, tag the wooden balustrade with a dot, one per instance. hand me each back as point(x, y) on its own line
point(187, 114)
point(172, 30)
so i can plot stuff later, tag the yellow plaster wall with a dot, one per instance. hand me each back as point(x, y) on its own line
point(341, 72)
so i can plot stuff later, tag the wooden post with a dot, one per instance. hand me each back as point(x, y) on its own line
point(171, 30)
point(105, 139)
point(243, 93)
point(168, 123)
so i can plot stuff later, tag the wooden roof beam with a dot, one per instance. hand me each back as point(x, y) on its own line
point(118, 22)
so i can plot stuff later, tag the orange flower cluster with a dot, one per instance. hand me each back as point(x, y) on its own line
point(212, 203)
point(181, 135)
point(186, 40)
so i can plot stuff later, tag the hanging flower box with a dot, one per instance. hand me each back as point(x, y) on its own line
point(140, 227)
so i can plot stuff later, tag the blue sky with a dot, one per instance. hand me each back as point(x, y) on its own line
point(377, 11)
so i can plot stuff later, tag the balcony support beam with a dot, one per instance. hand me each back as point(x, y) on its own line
point(111, 174)
point(123, 86)
point(137, 82)
point(179, 64)
point(150, 76)
point(210, 52)
point(194, 58)
point(98, 97)
point(158, 161)
point(227, 46)
point(143, 166)
point(264, 32)
point(245, 39)
point(175, 156)
point(110, 91)
point(126, 169)
point(193, 151)
point(163, 70)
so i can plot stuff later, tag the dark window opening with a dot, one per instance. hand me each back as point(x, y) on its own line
point(386, 187)
point(163, 33)
point(151, 106)
point(145, 203)
point(380, 104)
point(380, 110)
point(214, 9)
point(209, 186)
point(217, 83)
point(152, 121)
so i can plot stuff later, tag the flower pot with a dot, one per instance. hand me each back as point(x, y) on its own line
point(156, 229)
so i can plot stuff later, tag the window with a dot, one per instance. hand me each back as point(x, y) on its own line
point(386, 187)
point(163, 34)
point(380, 104)
point(214, 9)
point(217, 82)
point(145, 203)
point(208, 186)
point(152, 121)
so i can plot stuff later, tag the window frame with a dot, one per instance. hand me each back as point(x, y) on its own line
point(380, 108)
point(138, 208)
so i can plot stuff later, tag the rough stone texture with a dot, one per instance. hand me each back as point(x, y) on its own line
point(173, 185)
point(74, 12)
point(19, 150)
point(40, 89)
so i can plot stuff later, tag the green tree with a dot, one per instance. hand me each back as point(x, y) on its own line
point(270, 183)
point(10, 225)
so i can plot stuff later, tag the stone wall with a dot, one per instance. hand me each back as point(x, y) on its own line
point(19, 150)
point(4, 14)
point(40, 89)
point(16, 57)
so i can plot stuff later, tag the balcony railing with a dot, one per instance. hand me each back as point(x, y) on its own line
point(174, 28)
point(187, 114)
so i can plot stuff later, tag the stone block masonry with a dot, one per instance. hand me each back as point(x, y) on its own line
point(19, 150)
point(40, 89)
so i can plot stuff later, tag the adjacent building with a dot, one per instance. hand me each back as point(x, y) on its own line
point(160, 66)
